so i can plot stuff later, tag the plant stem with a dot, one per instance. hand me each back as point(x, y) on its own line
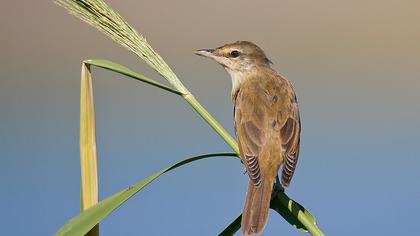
point(312, 227)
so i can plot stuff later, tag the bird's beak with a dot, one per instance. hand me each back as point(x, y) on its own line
point(210, 53)
point(205, 53)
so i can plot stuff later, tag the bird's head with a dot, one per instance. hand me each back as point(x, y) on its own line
point(238, 56)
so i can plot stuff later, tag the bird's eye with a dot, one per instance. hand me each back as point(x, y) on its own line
point(235, 53)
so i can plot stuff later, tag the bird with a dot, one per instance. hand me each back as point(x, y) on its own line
point(266, 123)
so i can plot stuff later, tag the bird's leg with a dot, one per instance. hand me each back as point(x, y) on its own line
point(276, 188)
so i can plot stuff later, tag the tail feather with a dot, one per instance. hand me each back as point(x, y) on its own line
point(257, 204)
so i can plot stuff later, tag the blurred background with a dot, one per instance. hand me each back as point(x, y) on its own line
point(355, 67)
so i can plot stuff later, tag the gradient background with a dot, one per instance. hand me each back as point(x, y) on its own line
point(355, 66)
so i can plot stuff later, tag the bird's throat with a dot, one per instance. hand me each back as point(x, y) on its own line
point(238, 77)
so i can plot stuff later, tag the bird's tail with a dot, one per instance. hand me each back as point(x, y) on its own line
point(257, 204)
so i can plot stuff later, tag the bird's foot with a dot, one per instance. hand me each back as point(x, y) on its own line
point(276, 188)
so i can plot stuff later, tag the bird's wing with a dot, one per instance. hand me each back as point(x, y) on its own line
point(290, 137)
point(254, 113)
point(266, 112)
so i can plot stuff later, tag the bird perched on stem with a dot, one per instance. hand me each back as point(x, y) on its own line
point(267, 125)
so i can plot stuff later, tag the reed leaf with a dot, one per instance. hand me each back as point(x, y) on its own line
point(290, 210)
point(88, 158)
point(86, 220)
point(295, 214)
point(109, 65)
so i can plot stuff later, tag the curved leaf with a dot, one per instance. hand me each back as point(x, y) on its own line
point(291, 211)
point(86, 220)
point(295, 214)
point(125, 71)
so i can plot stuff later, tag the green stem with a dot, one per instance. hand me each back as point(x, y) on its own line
point(289, 208)
point(312, 228)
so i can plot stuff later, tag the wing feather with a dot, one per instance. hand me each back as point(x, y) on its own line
point(290, 133)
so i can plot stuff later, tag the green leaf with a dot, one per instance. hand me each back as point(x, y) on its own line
point(88, 157)
point(86, 220)
point(291, 211)
point(295, 214)
point(125, 71)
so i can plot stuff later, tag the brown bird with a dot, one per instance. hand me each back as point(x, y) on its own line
point(267, 125)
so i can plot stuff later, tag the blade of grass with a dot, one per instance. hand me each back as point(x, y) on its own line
point(86, 220)
point(295, 214)
point(290, 210)
point(88, 159)
point(109, 65)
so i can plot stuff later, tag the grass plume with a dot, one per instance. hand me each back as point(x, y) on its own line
point(99, 15)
